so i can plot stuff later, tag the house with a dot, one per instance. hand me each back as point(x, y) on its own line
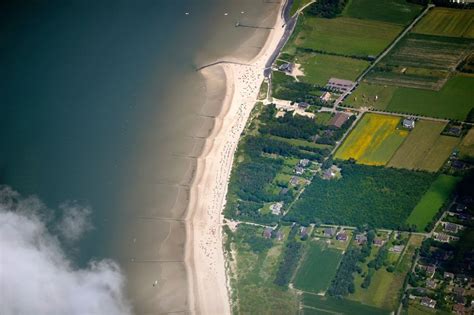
point(397, 248)
point(458, 291)
point(378, 242)
point(431, 284)
point(303, 231)
point(451, 227)
point(441, 237)
point(299, 170)
point(303, 105)
point(340, 85)
point(294, 180)
point(361, 239)
point(286, 67)
point(276, 208)
point(279, 235)
point(304, 162)
point(341, 236)
point(339, 119)
point(426, 301)
point(329, 232)
point(283, 191)
point(408, 123)
point(267, 233)
point(430, 271)
point(325, 97)
point(460, 309)
point(448, 275)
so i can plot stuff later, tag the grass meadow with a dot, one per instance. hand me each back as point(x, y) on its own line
point(432, 201)
point(393, 11)
point(344, 35)
point(319, 68)
point(447, 22)
point(373, 141)
point(317, 268)
point(425, 148)
point(371, 95)
point(315, 304)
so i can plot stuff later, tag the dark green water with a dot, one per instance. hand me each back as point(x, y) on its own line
point(98, 100)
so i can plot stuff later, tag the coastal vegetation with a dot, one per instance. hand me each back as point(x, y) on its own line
point(374, 140)
point(374, 195)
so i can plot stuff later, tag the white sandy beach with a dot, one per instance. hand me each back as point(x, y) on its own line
point(208, 291)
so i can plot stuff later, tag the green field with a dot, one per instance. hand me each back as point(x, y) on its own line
point(424, 149)
point(323, 118)
point(457, 92)
point(432, 201)
point(317, 269)
point(314, 304)
point(319, 68)
point(371, 95)
point(373, 141)
point(392, 11)
point(447, 22)
point(343, 35)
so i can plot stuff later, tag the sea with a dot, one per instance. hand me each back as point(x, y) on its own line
point(101, 103)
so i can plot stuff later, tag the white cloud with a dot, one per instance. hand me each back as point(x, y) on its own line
point(35, 275)
point(74, 222)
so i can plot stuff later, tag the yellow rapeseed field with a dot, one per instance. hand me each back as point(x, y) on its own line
point(374, 140)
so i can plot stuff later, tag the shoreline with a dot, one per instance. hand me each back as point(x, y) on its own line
point(208, 291)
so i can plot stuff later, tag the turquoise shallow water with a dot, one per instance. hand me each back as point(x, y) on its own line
point(99, 101)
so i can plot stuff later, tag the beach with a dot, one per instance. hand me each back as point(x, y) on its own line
point(204, 256)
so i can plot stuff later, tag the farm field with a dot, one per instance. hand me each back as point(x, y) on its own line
point(319, 68)
point(424, 149)
point(314, 304)
point(343, 35)
point(447, 22)
point(394, 11)
point(317, 268)
point(421, 61)
point(432, 201)
point(466, 147)
point(373, 141)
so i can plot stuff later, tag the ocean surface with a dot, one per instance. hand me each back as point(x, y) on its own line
point(101, 103)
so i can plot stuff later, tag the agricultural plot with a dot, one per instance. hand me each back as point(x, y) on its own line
point(317, 269)
point(394, 11)
point(466, 147)
point(432, 201)
point(373, 141)
point(425, 148)
point(447, 22)
point(421, 61)
point(342, 35)
point(319, 68)
point(315, 304)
